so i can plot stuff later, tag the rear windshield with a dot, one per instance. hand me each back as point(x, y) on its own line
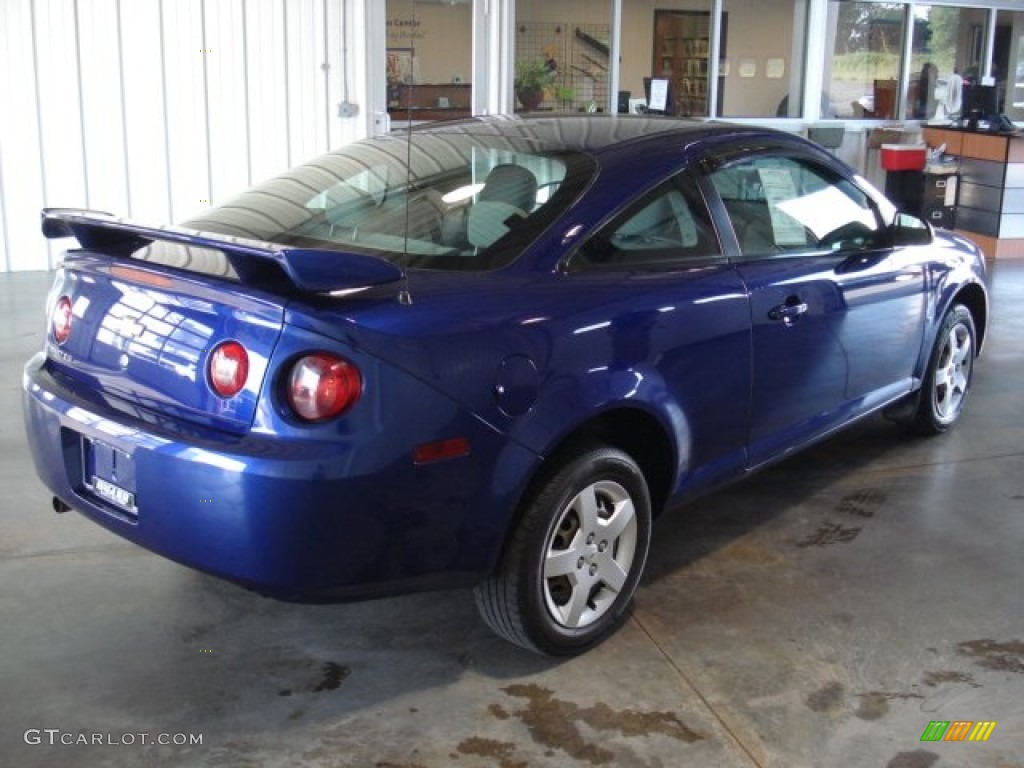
point(450, 199)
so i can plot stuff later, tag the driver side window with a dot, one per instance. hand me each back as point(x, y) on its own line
point(783, 205)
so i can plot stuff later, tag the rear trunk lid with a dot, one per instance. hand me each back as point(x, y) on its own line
point(144, 337)
point(142, 333)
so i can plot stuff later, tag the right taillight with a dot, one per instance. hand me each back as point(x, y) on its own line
point(322, 386)
point(60, 319)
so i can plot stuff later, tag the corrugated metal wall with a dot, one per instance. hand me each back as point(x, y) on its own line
point(153, 109)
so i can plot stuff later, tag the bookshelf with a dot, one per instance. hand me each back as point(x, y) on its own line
point(682, 53)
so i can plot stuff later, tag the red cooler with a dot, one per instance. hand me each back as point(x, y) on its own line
point(903, 157)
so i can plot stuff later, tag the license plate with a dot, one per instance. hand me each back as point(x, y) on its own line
point(114, 494)
point(110, 474)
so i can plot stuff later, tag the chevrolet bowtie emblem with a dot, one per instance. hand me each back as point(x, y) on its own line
point(130, 328)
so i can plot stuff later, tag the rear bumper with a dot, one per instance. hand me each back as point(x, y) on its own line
point(295, 519)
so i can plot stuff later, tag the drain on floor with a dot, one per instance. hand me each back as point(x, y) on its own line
point(830, 533)
point(332, 675)
point(862, 503)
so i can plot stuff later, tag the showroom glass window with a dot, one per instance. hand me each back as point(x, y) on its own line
point(862, 74)
point(670, 40)
point(761, 61)
point(760, 64)
point(947, 42)
point(569, 43)
point(1008, 62)
point(679, 53)
point(433, 84)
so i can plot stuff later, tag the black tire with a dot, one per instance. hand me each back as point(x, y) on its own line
point(595, 553)
point(947, 380)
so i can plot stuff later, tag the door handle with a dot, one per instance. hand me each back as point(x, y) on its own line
point(789, 312)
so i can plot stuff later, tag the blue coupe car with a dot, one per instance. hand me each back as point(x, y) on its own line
point(487, 353)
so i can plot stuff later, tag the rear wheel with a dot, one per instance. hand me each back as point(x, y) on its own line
point(571, 567)
point(948, 378)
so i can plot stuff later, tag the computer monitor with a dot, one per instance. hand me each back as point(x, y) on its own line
point(660, 100)
point(980, 102)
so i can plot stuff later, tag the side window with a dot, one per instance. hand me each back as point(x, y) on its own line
point(782, 205)
point(668, 226)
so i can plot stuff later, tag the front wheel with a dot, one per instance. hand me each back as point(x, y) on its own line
point(948, 378)
point(571, 567)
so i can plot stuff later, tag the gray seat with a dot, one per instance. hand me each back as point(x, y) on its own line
point(654, 226)
point(509, 194)
point(751, 220)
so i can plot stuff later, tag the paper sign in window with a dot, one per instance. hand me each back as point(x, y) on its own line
point(825, 211)
point(778, 187)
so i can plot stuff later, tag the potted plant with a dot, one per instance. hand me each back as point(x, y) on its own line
point(532, 77)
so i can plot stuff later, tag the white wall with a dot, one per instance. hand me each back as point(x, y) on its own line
point(758, 30)
point(155, 109)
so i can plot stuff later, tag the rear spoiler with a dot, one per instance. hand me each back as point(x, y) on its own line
point(308, 269)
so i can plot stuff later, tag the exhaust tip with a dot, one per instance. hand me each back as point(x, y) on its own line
point(59, 506)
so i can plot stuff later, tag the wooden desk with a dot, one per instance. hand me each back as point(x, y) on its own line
point(427, 101)
point(424, 114)
point(990, 199)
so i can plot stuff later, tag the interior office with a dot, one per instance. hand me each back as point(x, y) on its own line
point(857, 65)
point(290, 80)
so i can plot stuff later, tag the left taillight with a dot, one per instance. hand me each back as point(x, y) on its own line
point(60, 319)
point(228, 368)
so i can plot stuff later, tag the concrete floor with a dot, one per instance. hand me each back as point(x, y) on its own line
point(822, 614)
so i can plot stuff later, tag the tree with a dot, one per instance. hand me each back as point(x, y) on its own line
point(945, 31)
point(868, 26)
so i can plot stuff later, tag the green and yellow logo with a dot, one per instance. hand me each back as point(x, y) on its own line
point(958, 730)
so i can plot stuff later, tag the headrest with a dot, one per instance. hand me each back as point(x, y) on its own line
point(510, 184)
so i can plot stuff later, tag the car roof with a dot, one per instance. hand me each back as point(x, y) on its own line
point(593, 134)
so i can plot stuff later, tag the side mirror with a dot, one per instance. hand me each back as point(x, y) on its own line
point(908, 229)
